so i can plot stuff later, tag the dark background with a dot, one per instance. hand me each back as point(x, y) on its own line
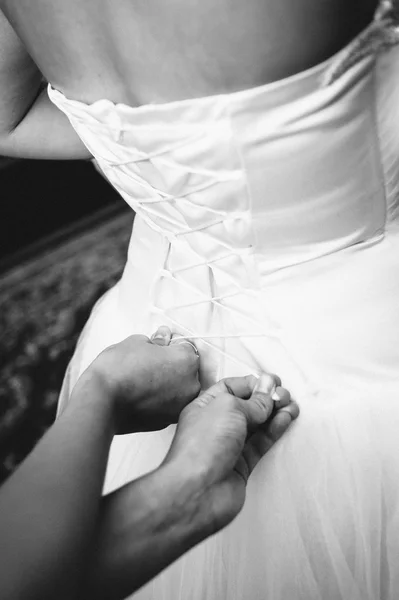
point(64, 234)
point(42, 198)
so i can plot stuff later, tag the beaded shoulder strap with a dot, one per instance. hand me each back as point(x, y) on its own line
point(381, 34)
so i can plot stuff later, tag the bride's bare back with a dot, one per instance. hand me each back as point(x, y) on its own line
point(141, 51)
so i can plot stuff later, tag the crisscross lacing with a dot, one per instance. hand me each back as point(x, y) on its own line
point(173, 229)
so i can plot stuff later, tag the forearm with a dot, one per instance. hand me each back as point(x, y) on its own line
point(43, 133)
point(49, 507)
point(144, 527)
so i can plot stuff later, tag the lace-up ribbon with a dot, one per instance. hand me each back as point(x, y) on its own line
point(168, 230)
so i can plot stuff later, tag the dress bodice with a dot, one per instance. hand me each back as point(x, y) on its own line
point(246, 184)
point(283, 171)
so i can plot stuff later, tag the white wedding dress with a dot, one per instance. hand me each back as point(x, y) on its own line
point(267, 230)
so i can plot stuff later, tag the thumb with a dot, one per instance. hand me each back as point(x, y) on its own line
point(260, 405)
point(162, 336)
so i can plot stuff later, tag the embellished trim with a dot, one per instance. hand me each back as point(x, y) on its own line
point(379, 36)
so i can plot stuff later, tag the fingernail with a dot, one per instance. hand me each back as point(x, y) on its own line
point(160, 338)
point(265, 385)
point(160, 334)
point(275, 396)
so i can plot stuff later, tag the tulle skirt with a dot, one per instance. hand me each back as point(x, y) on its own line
point(321, 517)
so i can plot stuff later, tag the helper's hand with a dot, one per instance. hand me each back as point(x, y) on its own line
point(220, 438)
point(148, 381)
point(198, 489)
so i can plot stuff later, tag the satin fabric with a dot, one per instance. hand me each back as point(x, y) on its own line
point(267, 230)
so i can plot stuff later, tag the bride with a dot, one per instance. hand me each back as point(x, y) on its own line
point(258, 144)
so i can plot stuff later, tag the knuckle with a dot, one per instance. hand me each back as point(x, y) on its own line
point(227, 383)
point(108, 350)
point(227, 402)
point(187, 367)
point(185, 350)
point(194, 357)
point(108, 354)
point(186, 410)
point(202, 400)
point(284, 394)
point(294, 409)
point(195, 389)
point(192, 363)
point(261, 401)
point(138, 338)
point(262, 404)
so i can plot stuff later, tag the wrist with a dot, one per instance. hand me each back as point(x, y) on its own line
point(148, 523)
point(186, 494)
point(92, 391)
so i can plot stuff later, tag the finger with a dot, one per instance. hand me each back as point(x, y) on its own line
point(281, 397)
point(252, 396)
point(256, 410)
point(276, 378)
point(260, 442)
point(135, 338)
point(128, 344)
point(255, 448)
point(262, 395)
point(162, 336)
point(266, 384)
point(178, 341)
point(241, 387)
point(281, 421)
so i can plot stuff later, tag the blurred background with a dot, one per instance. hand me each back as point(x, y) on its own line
point(64, 234)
